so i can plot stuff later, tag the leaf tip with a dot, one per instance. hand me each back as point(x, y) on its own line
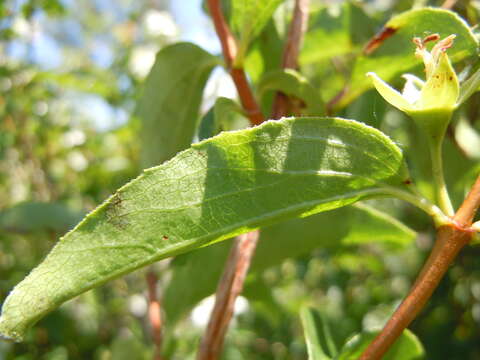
point(7, 334)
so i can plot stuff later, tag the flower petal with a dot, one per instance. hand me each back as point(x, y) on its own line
point(390, 94)
point(412, 88)
point(441, 89)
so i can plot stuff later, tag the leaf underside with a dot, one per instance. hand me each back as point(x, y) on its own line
point(344, 227)
point(219, 188)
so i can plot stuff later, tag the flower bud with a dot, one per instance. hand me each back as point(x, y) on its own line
point(430, 103)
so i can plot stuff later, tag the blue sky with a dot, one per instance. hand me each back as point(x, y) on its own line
point(194, 24)
point(42, 48)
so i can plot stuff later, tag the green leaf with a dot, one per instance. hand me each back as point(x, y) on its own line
point(217, 189)
point(315, 327)
point(369, 108)
point(220, 118)
point(347, 226)
point(208, 126)
point(265, 53)
point(407, 347)
point(292, 83)
point(249, 17)
point(169, 105)
point(224, 110)
point(333, 32)
point(29, 217)
point(469, 86)
point(394, 55)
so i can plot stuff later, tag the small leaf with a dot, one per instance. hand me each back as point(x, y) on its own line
point(220, 118)
point(265, 53)
point(312, 332)
point(249, 17)
point(215, 190)
point(208, 127)
point(292, 83)
point(170, 103)
point(226, 111)
point(407, 347)
point(469, 87)
point(333, 33)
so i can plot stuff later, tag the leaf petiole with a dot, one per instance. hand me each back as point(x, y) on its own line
point(443, 198)
point(438, 216)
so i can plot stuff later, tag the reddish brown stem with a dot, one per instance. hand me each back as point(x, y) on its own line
point(450, 240)
point(467, 211)
point(154, 314)
point(231, 283)
point(290, 54)
point(229, 287)
point(448, 4)
point(229, 49)
point(237, 265)
point(249, 103)
point(229, 45)
point(295, 34)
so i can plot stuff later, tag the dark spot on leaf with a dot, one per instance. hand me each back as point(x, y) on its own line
point(378, 39)
point(114, 212)
point(450, 78)
point(165, 237)
point(407, 182)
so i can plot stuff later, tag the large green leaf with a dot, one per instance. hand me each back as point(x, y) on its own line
point(407, 347)
point(169, 105)
point(346, 226)
point(219, 188)
point(393, 53)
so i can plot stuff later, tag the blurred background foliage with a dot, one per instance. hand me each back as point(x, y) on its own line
point(70, 76)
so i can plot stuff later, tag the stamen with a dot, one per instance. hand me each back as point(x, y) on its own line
point(418, 43)
point(432, 37)
point(442, 46)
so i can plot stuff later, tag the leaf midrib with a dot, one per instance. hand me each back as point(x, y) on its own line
point(225, 231)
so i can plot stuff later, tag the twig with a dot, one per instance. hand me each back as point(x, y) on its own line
point(290, 54)
point(467, 211)
point(229, 287)
point(450, 240)
point(238, 262)
point(154, 314)
point(295, 34)
point(448, 4)
point(229, 49)
point(247, 99)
